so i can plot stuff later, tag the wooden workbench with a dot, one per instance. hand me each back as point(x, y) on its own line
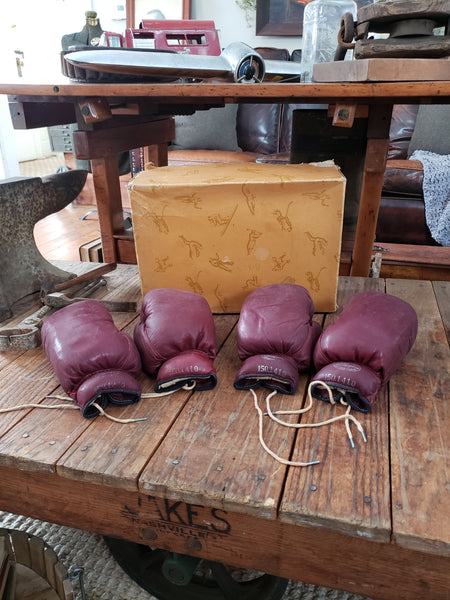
point(113, 118)
point(194, 479)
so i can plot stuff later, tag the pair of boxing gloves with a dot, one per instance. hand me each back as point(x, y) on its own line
point(96, 364)
point(277, 338)
point(354, 357)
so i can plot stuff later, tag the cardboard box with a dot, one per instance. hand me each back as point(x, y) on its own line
point(223, 230)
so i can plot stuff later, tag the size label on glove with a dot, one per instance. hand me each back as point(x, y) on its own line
point(269, 370)
point(333, 375)
point(185, 370)
point(337, 379)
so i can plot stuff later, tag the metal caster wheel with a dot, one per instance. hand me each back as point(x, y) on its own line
point(170, 576)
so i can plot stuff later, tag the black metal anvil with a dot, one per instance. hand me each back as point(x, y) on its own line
point(23, 202)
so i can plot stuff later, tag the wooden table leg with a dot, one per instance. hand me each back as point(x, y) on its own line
point(374, 167)
point(105, 174)
point(157, 154)
point(101, 147)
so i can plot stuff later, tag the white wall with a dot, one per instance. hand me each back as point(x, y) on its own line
point(171, 9)
point(36, 27)
point(231, 22)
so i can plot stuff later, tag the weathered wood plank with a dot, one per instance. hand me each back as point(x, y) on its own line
point(37, 555)
point(50, 558)
point(63, 586)
point(382, 69)
point(36, 380)
point(442, 293)
point(5, 542)
point(388, 13)
point(420, 421)
point(403, 47)
point(40, 438)
point(224, 325)
point(349, 490)
point(191, 506)
point(110, 453)
point(314, 555)
point(212, 454)
point(19, 540)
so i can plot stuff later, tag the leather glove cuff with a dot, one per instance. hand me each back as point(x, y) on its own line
point(272, 371)
point(184, 369)
point(357, 384)
point(109, 386)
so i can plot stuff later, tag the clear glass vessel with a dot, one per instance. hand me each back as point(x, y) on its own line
point(321, 23)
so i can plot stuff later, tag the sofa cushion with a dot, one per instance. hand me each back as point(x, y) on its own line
point(213, 129)
point(258, 127)
point(432, 130)
point(402, 221)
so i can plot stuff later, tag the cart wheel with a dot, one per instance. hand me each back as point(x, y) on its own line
point(170, 576)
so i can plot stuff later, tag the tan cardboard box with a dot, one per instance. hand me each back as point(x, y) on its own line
point(223, 230)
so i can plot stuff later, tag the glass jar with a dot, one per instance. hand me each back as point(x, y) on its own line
point(321, 24)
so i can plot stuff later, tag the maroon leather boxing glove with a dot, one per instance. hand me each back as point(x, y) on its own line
point(177, 340)
point(275, 337)
point(358, 353)
point(93, 361)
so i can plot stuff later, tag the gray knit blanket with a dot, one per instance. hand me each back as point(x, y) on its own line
point(436, 193)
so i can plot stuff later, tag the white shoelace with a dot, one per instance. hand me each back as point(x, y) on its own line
point(344, 417)
point(101, 411)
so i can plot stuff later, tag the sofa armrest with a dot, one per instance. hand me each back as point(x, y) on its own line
point(404, 178)
point(402, 220)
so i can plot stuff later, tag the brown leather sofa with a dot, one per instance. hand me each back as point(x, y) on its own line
point(263, 133)
point(401, 218)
